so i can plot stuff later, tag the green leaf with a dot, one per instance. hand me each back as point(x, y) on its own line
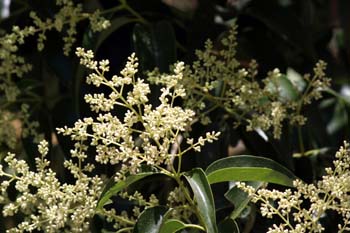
point(284, 88)
point(239, 198)
point(156, 220)
point(204, 198)
point(287, 89)
point(228, 226)
point(249, 168)
point(174, 225)
point(113, 188)
point(296, 79)
point(151, 220)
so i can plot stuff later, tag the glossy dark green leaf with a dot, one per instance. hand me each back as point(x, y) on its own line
point(249, 168)
point(113, 188)
point(228, 226)
point(174, 225)
point(239, 198)
point(151, 220)
point(204, 198)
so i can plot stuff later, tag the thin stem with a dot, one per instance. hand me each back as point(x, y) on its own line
point(300, 104)
point(277, 212)
point(179, 164)
point(113, 9)
point(301, 141)
point(116, 217)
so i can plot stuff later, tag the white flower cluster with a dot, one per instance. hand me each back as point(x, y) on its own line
point(301, 209)
point(13, 65)
point(217, 80)
point(146, 133)
point(47, 204)
point(69, 14)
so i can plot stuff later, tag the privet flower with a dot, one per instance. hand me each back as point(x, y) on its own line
point(70, 14)
point(13, 65)
point(301, 209)
point(46, 203)
point(146, 133)
point(217, 80)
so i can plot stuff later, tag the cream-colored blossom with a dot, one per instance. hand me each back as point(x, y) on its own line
point(217, 80)
point(48, 204)
point(146, 133)
point(301, 209)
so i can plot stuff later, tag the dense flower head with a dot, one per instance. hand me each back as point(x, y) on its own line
point(217, 80)
point(146, 133)
point(48, 204)
point(149, 134)
point(302, 208)
point(13, 64)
